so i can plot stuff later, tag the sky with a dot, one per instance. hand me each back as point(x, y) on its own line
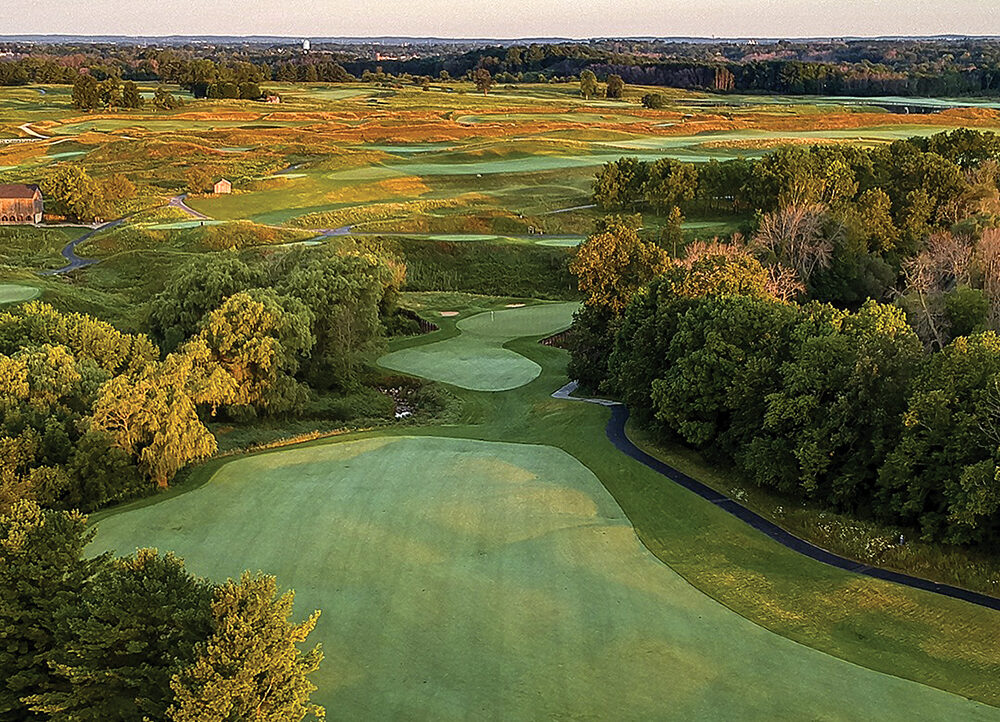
point(502, 18)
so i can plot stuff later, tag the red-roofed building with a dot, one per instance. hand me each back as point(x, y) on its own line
point(20, 203)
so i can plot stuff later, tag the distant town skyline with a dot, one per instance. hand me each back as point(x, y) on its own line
point(505, 19)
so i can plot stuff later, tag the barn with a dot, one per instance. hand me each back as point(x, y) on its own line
point(20, 203)
point(223, 187)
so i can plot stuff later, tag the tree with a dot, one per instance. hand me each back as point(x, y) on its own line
point(588, 84)
point(942, 473)
point(135, 626)
point(110, 92)
point(621, 184)
point(836, 416)
point(345, 294)
point(201, 178)
point(70, 191)
point(672, 234)
point(42, 571)
point(722, 360)
point(251, 666)
point(797, 237)
point(258, 339)
point(670, 183)
point(874, 208)
point(131, 97)
point(86, 95)
point(163, 99)
point(483, 80)
point(616, 87)
point(653, 101)
point(153, 418)
point(613, 264)
point(37, 324)
point(117, 187)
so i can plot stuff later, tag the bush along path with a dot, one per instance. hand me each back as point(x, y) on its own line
point(617, 435)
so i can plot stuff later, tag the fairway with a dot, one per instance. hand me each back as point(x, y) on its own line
point(15, 293)
point(466, 579)
point(476, 359)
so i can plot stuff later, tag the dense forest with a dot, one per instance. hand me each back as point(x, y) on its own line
point(909, 67)
point(845, 352)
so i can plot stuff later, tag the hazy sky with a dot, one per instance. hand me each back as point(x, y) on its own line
point(502, 18)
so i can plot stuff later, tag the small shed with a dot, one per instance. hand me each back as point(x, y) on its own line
point(222, 187)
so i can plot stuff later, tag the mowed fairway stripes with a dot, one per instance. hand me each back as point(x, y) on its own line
point(476, 359)
point(464, 579)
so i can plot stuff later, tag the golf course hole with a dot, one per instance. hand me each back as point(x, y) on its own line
point(457, 575)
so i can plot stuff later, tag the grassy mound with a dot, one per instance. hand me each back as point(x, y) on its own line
point(458, 575)
point(476, 359)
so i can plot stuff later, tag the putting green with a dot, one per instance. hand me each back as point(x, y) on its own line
point(476, 359)
point(464, 579)
point(15, 293)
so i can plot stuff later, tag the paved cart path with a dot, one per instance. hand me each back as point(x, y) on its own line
point(618, 437)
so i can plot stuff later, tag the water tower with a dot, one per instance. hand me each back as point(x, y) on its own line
point(305, 46)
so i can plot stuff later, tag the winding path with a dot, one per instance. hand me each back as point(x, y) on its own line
point(179, 202)
point(616, 434)
point(73, 261)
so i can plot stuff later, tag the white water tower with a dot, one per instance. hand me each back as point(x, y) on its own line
point(305, 46)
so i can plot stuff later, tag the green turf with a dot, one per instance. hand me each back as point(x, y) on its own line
point(460, 578)
point(906, 633)
point(476, 359)
point(15, 293)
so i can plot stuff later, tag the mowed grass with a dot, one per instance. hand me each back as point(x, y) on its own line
point(463, 579)
point(16, 293)
point(476, 359)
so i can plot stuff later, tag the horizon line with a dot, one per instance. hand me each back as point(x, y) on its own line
point(559, 38)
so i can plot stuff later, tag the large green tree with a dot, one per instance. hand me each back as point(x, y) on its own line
point(86, 95)
point(133, 628)
point(258, 339)
point(613, 264)
point(42, 573)
point(251, 668)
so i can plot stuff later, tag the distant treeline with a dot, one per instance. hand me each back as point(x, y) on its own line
point(931, 67)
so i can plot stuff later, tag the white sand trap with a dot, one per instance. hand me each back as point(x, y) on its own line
point(448, 314)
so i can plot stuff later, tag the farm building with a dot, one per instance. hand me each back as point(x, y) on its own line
point(20, 203)
point(223, 187)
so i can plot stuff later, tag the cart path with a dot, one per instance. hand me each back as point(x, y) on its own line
point(179, 202)
point(617, 436)
point(73, 261)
